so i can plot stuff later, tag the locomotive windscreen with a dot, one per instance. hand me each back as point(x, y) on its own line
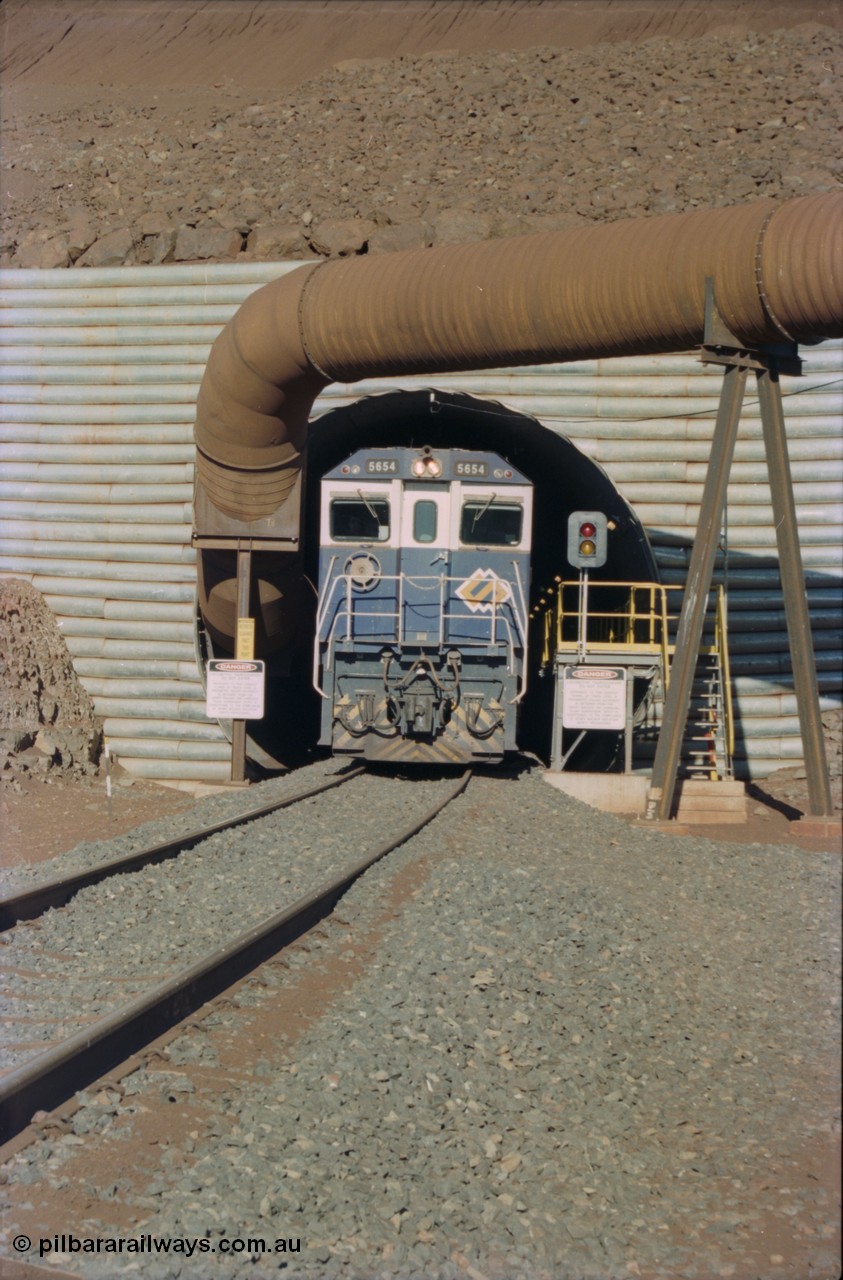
point(360, 519)
point(489, 523)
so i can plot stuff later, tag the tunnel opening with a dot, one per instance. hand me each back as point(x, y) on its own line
point(565, 479)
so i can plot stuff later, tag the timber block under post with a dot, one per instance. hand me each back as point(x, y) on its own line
point(702, 801)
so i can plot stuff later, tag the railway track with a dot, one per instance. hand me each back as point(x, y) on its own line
point(55, 893)
point(136, 1010)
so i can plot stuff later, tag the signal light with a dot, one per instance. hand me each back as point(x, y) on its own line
point(587, 539)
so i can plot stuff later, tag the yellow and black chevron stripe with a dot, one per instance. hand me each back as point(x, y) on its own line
point(455, 745)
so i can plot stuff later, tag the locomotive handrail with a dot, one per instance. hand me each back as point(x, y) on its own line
point(400, 638)
point(522, 622)
point(321, 612)
point(346, 613)
point(322, 603)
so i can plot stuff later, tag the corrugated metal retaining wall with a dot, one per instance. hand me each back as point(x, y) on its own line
point(100, 371)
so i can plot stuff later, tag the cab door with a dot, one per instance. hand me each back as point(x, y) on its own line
point(425, 562)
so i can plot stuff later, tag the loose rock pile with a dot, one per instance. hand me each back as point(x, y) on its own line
point(790, 783)
point(47, 720)
point(389, 154)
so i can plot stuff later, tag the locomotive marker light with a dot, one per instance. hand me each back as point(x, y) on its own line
point(587, 539)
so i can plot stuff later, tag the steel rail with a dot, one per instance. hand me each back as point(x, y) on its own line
point(55, 1074)
point(55, 893)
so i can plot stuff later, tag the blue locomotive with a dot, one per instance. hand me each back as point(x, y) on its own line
point(421, 628)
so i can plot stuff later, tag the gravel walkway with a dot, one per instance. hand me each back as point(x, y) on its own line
point(584, 1049)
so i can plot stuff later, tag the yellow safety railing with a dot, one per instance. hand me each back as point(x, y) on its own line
point(617, 618)
point(721, 631)
point(631, 616)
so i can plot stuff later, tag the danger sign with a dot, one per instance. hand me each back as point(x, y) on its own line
point(593, 697)
point(235, 689)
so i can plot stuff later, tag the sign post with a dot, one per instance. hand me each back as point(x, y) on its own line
point(236, 681)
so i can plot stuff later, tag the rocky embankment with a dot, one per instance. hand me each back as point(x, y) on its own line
point(47, 720)
point(389, 154)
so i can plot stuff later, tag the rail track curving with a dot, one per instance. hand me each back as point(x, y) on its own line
point(71, 1061)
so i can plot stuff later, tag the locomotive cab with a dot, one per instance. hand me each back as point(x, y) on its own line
point(420, 641)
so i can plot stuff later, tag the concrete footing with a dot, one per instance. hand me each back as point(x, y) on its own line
point(818, 828)
point(624, 793)
point(695, 801)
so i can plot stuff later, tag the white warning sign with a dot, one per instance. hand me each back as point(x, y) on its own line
point(593, 697)
point(235, 689)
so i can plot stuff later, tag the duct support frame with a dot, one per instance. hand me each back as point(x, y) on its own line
point(720, 346)
point(234, 543)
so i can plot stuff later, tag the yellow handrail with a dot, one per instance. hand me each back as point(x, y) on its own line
point(628, 623)
point(638, 620)
point(722, 644)
point(635, 619)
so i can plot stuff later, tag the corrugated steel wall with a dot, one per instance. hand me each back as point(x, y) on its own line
point(100, 371)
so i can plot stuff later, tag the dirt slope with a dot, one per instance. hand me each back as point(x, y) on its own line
point(278, 43)
point(149, 132)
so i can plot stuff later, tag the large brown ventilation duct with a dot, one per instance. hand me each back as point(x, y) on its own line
point(624, 288)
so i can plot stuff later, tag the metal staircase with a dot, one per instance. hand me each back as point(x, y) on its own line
point(632, 626)
point(705, 748)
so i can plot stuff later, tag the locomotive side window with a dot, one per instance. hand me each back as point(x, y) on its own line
point(485, 522)
point(359, 520)
point(424, 521)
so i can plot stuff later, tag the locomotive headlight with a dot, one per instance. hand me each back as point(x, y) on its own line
point(426, 467)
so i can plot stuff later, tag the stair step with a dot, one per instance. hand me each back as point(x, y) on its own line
point(703, 801)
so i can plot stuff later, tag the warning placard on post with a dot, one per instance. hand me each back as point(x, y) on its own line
point(235, 689)
point(594, 697)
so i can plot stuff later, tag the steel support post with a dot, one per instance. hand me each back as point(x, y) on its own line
point(238, 727)
point(695, 602)
point(627, 735)
point(795, 596)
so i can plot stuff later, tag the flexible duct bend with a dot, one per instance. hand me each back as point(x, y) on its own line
point(624, 288)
